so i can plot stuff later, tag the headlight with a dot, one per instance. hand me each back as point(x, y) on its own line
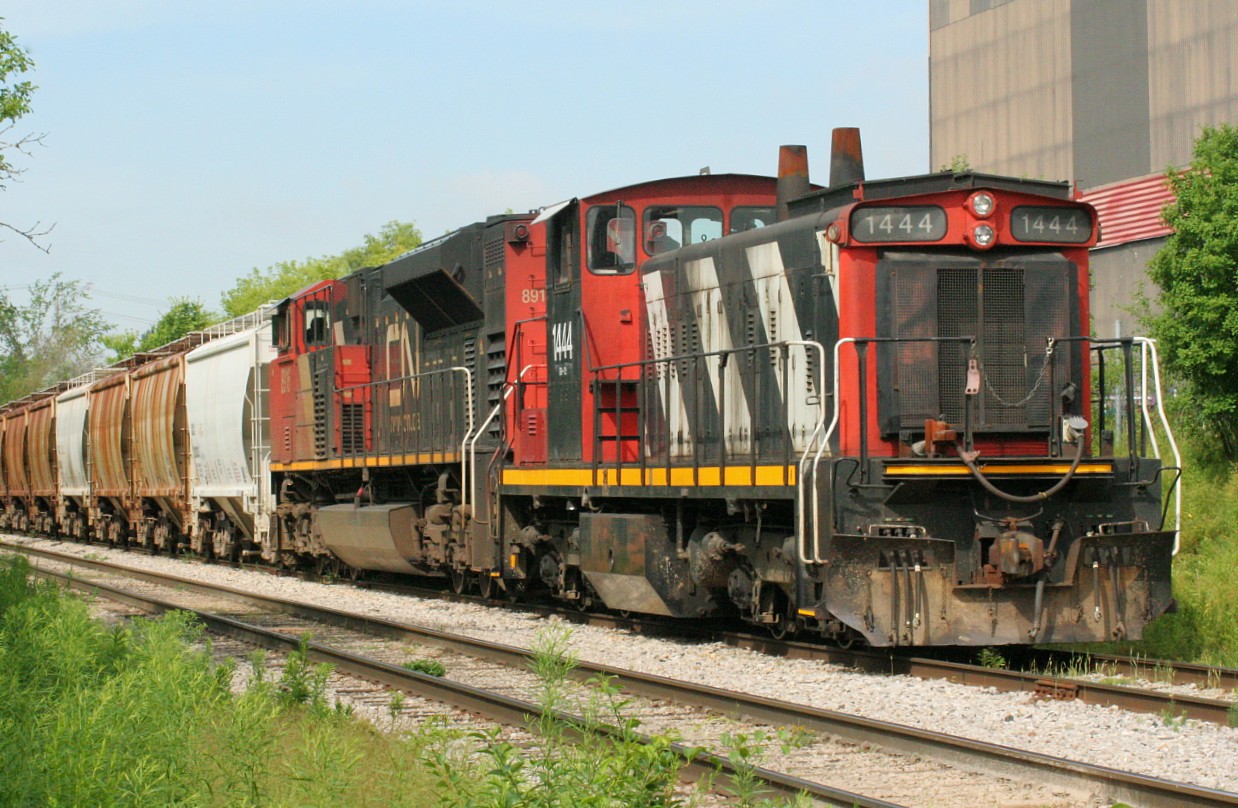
point(982, 204)
point(983, 235)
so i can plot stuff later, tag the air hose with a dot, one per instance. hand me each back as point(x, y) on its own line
point(968, 459)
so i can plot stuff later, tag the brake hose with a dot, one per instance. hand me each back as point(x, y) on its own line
point(967, 458)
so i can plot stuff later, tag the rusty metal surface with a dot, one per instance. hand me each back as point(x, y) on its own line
point(160, 445)
point(16, 481)
point(376, 537)
point(109, 437)
point(41, 447)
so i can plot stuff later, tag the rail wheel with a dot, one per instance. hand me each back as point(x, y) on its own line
point(485, 584)
point(458, 581)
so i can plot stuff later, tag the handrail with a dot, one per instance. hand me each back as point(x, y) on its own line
point(1147, 349)
point(1148, 346)
point(508, 388)
point(468, 409)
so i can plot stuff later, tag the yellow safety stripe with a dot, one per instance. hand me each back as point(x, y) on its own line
point(371, 462)
point(710, 476)
point(992, 469)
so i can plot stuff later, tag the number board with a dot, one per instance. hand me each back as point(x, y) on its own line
point(908, 223)
point(1059, 225)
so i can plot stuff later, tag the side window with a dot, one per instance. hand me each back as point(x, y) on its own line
point(669, 227)
point(750, 218)
point(317, 324)
point(612, 239)
point(279, 330)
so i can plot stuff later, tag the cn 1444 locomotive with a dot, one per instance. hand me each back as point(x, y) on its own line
point(870, 412)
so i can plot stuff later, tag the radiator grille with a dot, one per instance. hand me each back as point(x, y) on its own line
point(990, 304)
point(352, 429)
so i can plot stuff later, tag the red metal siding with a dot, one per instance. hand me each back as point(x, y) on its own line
point(1131, 210)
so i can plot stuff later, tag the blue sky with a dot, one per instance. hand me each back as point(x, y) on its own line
point(188, 142)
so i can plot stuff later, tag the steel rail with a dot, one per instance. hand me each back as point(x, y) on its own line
point(1047, 684)
point(994, 758)
point(700, 764)
point(1180, 673)
point(1133, 699)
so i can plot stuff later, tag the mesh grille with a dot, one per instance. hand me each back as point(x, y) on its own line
point(1003, 349)
point(352, 429)
point(991, 305)
point(957, 311)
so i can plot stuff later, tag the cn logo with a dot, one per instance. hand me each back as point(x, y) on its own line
point(562, 336)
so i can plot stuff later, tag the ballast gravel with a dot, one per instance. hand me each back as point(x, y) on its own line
point(1184, 750)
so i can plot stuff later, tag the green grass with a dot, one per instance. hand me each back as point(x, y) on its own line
point(1205, 627)
point(133, 716)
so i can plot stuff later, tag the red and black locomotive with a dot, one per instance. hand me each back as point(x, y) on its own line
point(869, 411)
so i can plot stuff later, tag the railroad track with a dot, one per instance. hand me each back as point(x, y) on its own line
point(944, 750)
point(1055, 674)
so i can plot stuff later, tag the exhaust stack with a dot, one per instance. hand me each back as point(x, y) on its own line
point(846, 157)
point(792, 177)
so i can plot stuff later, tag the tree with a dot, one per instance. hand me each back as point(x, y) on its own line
point(183, 317)
point(283, 279)
point(50, 339)
point(14, 103)
point(1197, 272)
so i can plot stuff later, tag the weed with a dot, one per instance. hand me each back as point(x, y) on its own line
point(1232, 714)
point(395, 705)
point(428, 666)
point(1173, 720)
point(988, 658)
point(792, 738)
point(301, 682)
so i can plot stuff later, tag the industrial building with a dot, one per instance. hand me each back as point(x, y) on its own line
point(1108, 94)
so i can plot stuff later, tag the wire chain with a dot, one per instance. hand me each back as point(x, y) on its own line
point(1040, 378)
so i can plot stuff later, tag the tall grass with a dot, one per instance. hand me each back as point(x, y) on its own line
point(1205, 628)
point(132, 716)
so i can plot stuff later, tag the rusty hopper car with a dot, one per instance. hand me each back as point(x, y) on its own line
point(41, 462)
point(15, 515)
point(109, 459)
point(73, 484)
point(162, 511)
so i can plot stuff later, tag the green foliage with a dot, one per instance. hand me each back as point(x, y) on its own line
point(184, 316)
point(132, 716)
point(283, 279)
point(988, 658)
point(429, 666)
point(1205, 627)
point(53, 337)
point(14, 95)
point(1197, 272)
point(958, 164)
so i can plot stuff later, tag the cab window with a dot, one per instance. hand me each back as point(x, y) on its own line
point(669, 227)
point(612, 239)
point(750, 218)
point(317, 324)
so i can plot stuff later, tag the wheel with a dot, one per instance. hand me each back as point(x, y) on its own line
point(457, 581)
point(783, 628)
point(485, 584)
